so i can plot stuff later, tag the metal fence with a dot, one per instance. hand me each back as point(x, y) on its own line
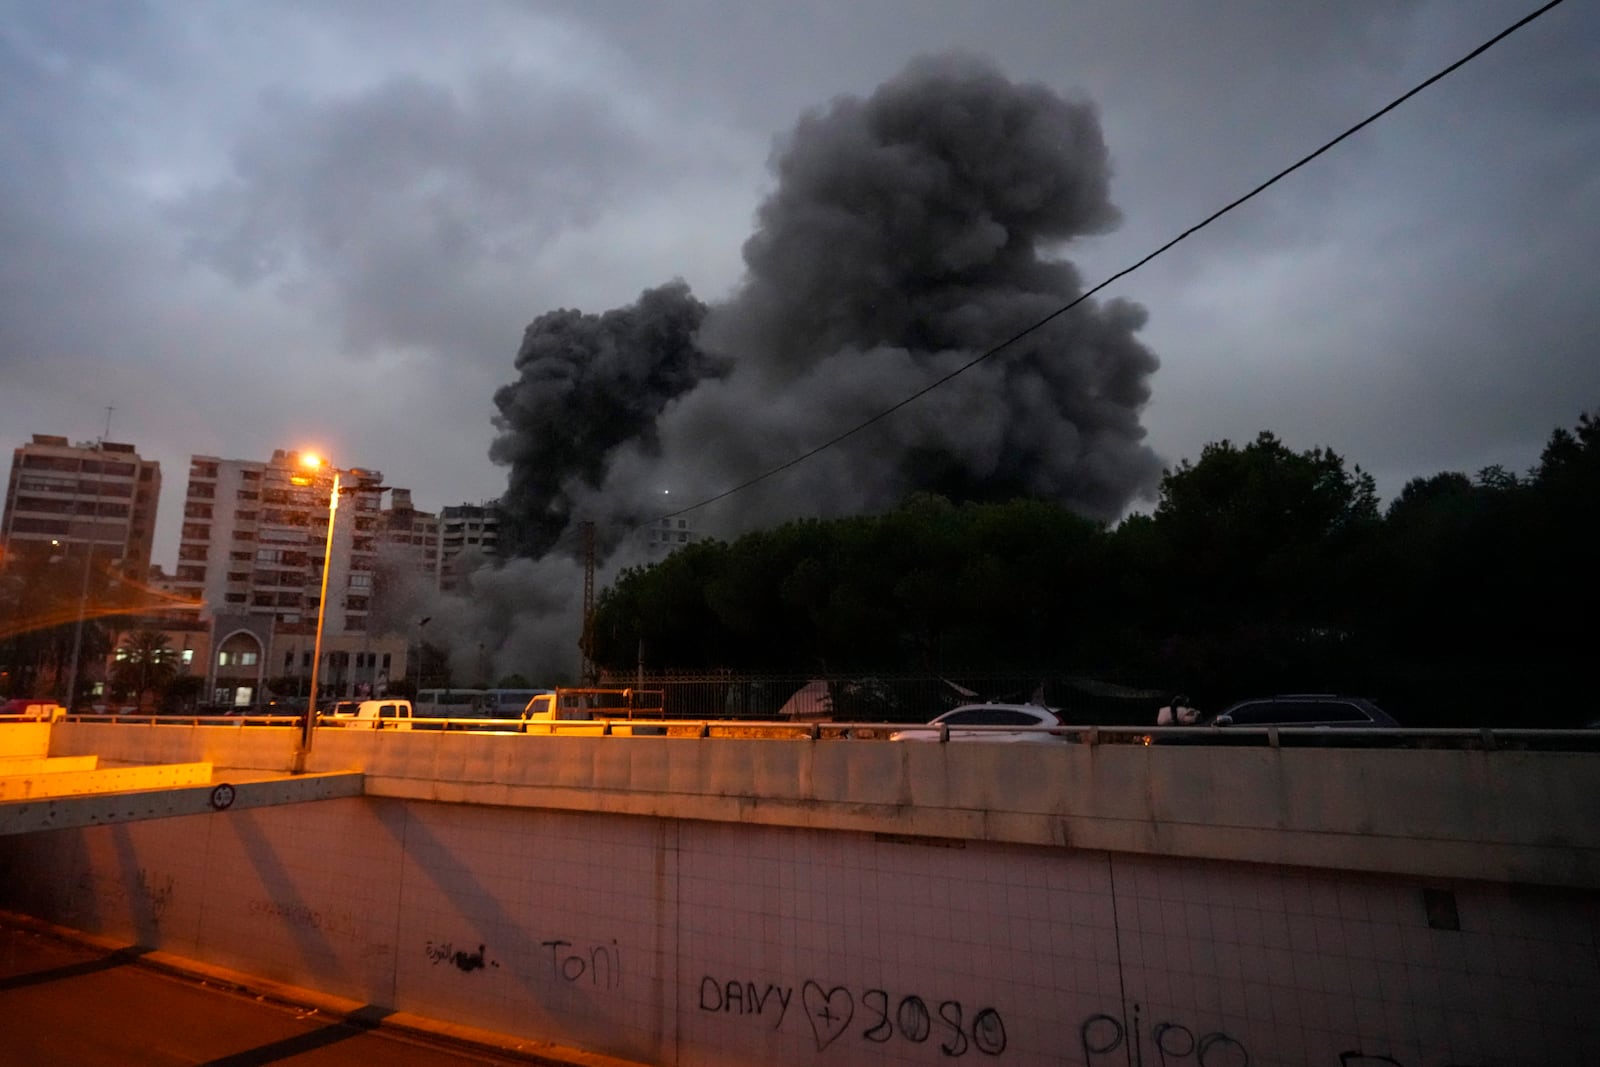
point(903, 698)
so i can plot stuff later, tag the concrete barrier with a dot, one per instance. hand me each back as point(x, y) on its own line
point(678, 902)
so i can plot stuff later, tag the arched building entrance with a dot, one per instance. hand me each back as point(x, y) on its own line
point(238, 663)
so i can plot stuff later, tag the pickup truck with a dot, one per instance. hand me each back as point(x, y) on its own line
point(608, 710)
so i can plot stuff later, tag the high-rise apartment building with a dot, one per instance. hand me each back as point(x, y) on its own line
point(465, 531)
point(666, 535)
point(255, 534)
point(98, 498)
point(411, 535)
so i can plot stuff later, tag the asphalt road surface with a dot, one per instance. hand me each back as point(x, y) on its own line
point(72, 1004)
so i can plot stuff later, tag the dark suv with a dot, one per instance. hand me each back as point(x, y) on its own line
point(1306, 709)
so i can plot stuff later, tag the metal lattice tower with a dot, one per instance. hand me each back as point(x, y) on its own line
point(586, 642)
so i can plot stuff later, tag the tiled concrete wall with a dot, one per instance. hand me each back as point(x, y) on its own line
point(1508, 814)
point(701, 943)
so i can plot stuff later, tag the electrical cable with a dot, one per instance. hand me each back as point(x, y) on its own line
point(1123, 273)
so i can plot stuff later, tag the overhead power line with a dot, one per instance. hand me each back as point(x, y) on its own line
point(1124, 272)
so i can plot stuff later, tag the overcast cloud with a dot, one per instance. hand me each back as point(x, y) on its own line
point(296, 224)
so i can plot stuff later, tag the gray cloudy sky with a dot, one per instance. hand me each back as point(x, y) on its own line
point(328, 222)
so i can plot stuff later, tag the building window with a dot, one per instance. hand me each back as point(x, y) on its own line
point(236, 659)
point(191, 551)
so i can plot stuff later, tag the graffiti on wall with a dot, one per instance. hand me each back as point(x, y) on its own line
point(876, 1016)
point(341, 924)
point(145, 894)
point(1106, 1039)
point(599, 967)
point(461, 959)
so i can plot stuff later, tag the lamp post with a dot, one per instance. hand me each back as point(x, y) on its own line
point(363, 484)
point(309, 723)
point(422, 622)
point(83, 592)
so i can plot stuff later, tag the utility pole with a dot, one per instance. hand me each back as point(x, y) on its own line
point(88, 563)
point(421, 624)
point(586, 642)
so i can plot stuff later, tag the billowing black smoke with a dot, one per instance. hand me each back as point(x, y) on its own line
point(907, 233)
point(588, 384)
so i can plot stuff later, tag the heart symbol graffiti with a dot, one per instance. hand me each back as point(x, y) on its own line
point(828, 1012)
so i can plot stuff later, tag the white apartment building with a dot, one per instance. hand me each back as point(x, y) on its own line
point(252, 546)
point(666, 535)
point(255, 534)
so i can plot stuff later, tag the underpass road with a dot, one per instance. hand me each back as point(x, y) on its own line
point(74, 1002)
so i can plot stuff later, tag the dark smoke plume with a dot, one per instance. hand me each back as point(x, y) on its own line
point(907, 233)
point(588, 384)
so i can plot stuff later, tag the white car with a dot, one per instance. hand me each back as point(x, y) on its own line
point(385, 714)
point(988, 722)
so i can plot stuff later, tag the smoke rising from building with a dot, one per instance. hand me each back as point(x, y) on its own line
point(589, 384)
point(907, 233)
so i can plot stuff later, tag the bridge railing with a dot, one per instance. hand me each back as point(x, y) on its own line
point(707, 728)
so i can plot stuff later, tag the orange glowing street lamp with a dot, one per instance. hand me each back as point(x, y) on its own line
point(311, 461)
point(364, 483)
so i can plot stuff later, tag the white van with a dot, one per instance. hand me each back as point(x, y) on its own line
point(508, 703)
point(383, 714)
point(449, 703)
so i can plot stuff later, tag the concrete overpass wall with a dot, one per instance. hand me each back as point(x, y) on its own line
point(689, 902)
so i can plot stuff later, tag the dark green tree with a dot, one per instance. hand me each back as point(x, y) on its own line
point(145, 664)
point(1261, 565)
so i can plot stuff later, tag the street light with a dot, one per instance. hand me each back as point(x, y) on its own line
point(312, 461)
point(424, 621)
point(309, 722)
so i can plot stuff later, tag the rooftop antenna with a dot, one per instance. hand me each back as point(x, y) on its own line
point(109, 409)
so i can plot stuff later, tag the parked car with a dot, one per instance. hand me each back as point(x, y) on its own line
point(1306, 709)
point(385, 714)
point(1026, 722)
point(32, 709)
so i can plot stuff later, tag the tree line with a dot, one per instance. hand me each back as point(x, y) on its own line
point(1467, 601)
